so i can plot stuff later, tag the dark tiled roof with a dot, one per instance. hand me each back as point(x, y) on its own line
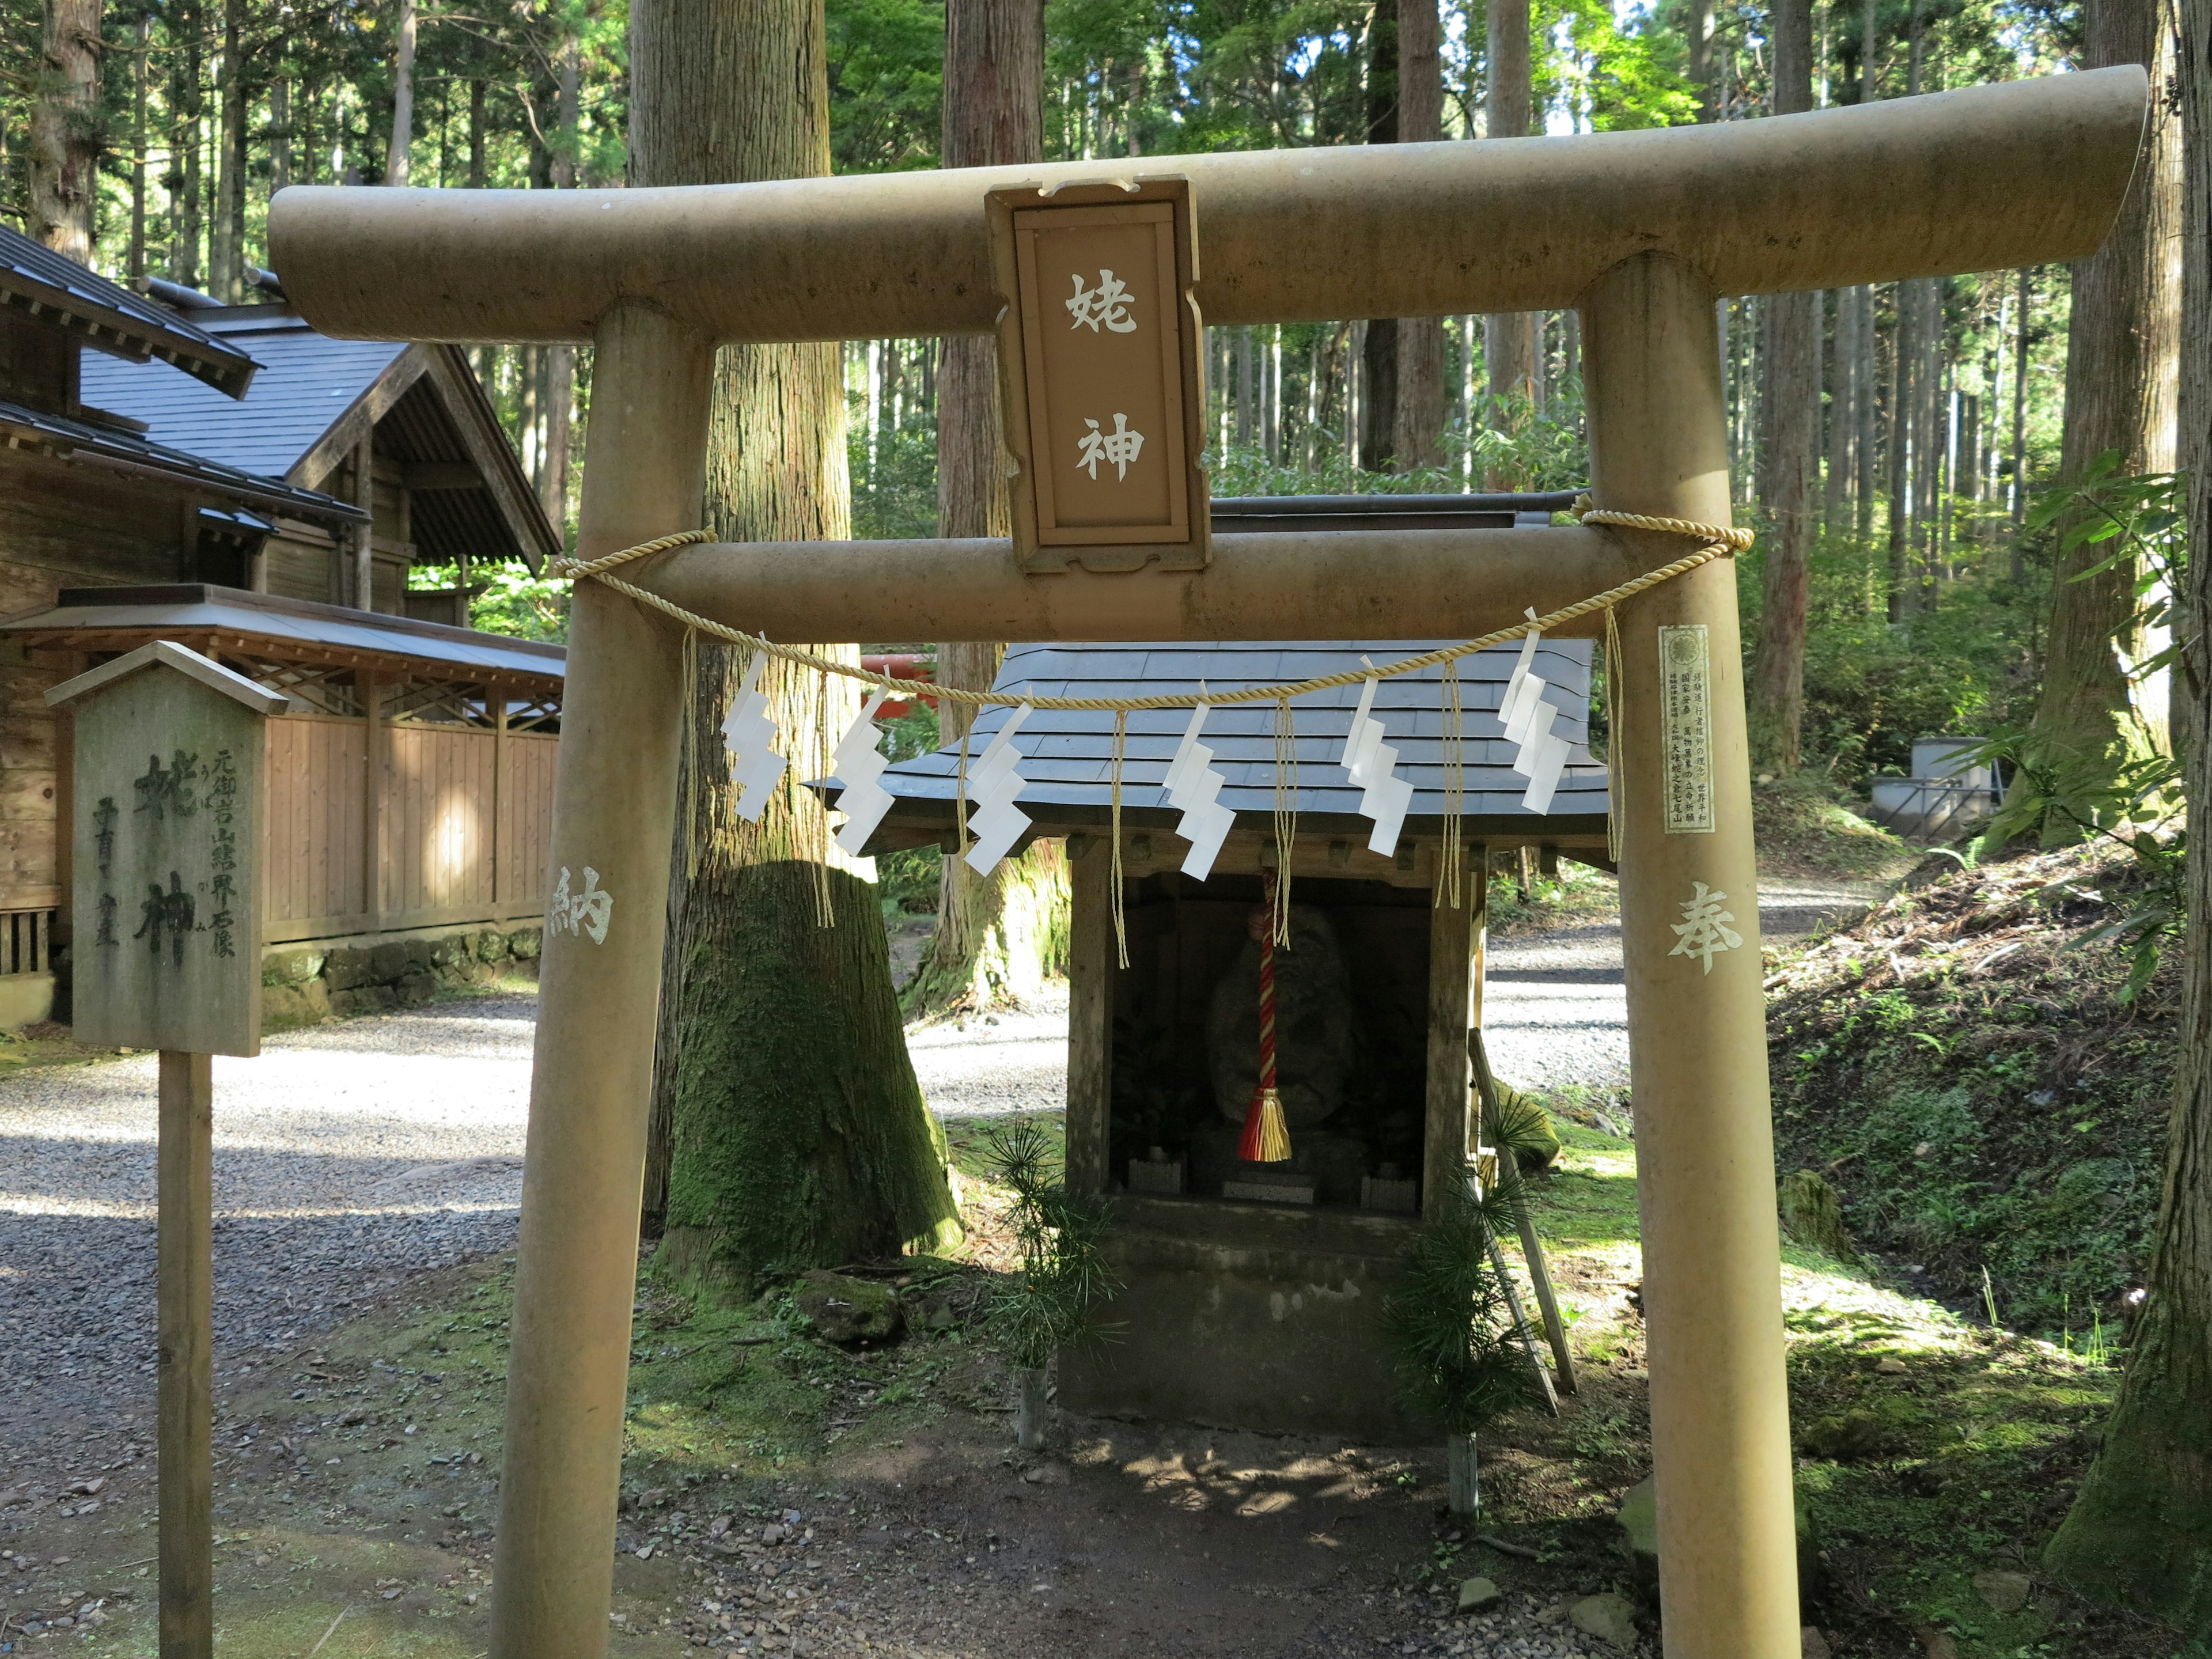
point(307, 382)
point(190, 607)
point(113, 318)
point(83, 440)
point(1067, 756)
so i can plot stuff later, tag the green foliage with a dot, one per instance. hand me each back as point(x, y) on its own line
point(886, 84)
point(1624, 71)
point(505, 599)
point(2142, 521)
point(1049, 1302)
point(1516, 1124)
point(1536, 449)
point(2134, 800)
point(1450, 1324)
point(893, 461)
point(1872, 686)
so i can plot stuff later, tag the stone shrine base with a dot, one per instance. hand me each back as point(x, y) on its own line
point(373, 973)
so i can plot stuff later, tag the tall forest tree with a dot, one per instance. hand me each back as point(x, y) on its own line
point(998, 937)
point(794, 1132)
point(1777, 710)
point(398, 155)
point(2120, 378)
point(65, 129)
point(1509, 338)
point(1379, 353)
point(2140, 1532)
point(1421, 411)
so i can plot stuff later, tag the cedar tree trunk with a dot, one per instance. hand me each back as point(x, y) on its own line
point(2120, 372)
point(1000, 937)
point(65, 130)
point(402, 95)
point(1778, 675)
point(1509, 337)
point(792, 1129)
point(1378, 352)
point(1420, 412)
point(2140, 1531)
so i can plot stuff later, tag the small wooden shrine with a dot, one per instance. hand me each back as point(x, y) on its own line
point(1255, 1290)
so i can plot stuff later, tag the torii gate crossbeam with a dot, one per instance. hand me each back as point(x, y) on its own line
point(1641, 231)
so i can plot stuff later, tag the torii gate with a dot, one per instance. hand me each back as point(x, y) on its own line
point(1640, 232)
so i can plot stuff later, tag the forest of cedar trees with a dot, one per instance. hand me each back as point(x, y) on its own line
point(1933, 409)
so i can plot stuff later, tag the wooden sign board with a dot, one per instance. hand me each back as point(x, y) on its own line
point(1100, 374)
point(167, 804)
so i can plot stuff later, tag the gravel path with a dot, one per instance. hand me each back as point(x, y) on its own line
point(344, 1157)
point(1554, 1012)
point(987, 1066)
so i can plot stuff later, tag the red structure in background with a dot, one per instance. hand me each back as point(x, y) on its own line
point(903, 665)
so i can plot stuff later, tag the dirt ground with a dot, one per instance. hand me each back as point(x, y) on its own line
point(787, 1498)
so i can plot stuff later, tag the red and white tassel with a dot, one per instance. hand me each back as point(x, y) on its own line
point(1266, 1138)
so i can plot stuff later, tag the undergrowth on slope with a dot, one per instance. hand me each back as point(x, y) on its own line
point(1801, 829)
point(1963, 1069)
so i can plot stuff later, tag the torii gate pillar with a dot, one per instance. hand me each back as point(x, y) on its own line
point(614, 814)
point(1697, 1028)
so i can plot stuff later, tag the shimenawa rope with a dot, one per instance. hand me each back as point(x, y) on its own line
point(1720, 541)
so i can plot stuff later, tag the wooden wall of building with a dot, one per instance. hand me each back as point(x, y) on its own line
point(456, 829)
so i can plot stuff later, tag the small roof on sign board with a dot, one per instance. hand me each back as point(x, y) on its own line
point(190, 663)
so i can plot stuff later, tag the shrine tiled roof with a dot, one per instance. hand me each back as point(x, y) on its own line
point(1068, 755)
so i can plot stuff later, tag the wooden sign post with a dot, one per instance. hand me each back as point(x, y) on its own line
point(168, 956)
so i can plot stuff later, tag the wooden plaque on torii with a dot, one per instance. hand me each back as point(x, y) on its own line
point(1101, 376)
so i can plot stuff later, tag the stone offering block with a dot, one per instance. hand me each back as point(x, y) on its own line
point(1284, 1189)
point(1156, 1175)
point(165, 846)
point(1377, 1193)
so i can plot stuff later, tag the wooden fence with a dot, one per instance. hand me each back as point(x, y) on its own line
point(378, 824)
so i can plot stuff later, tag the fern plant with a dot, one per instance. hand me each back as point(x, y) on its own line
point(1049, 1302)
point(1451, 1318)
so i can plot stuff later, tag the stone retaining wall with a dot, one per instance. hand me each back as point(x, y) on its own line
point(306, 984)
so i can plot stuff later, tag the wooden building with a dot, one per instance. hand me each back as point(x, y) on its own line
point(403, 433)
point(176, 475)
point(1240, 1311)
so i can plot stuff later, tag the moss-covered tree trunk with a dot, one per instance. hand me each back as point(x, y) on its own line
point(2141, 1529)
point(1000, 937)
point(2120, 373)
point(790, 1130)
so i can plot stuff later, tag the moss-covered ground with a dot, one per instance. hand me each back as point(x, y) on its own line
point(357, 1488)
point(1931, 1449)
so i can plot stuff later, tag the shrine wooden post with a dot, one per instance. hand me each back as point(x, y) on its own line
point(167, 804)
point(1640, 230)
